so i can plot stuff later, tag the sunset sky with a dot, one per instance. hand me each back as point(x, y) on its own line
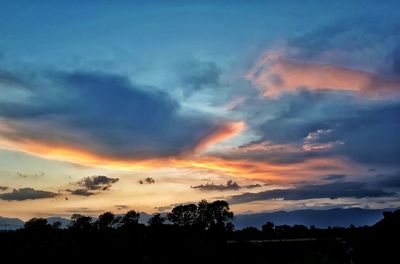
point(270, 105)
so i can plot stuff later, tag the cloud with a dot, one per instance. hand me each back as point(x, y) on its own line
point(99, 182)
point(331, 190)
point(349, 36)
point(98, 115)
point(230, 185)
point(331, 124)
point(35, 175)
point(333, 177)
point(81, 192)
point(122, 207)
point(390, 181)
point(395, 61)
point(26, 194)
point(311, 141)
point(89, 185)
point(9, 79)
point(196, 75)
point(148, 180)
point(220, 133)
point(276, 75)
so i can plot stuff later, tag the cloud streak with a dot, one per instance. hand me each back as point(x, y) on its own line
point(331, 190)
point(276, 75)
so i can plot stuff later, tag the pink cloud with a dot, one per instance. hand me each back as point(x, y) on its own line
point(276, 75)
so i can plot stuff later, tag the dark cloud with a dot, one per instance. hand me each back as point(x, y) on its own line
point(197, 75)
point(391, 181)
point(92, 185)
point(3, 188)
point(9, 79)
point(334, 177)
point(395, 60)
point(81, 192)
point(26, 194)
point(230, 185)
point(331, 190)
point(367, 131)
point(104, 114)
point(148, 180)
point(98, 182)
point(350, 35)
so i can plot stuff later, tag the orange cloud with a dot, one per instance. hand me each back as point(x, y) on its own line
point(222, 132)
point(241, 168)
point(275, 75)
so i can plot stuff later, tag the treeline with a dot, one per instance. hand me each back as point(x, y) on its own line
point(197, 233)
point(205, 216)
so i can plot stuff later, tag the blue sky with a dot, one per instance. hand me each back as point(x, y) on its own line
point(272, 95)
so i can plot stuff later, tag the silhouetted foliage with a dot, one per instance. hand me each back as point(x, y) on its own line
point(204, 216)
point(199, 233)
point(105, 221)
point(183, 215)
point(37, 224)
point(156, 220)
point(130, 219)
point(81, 222)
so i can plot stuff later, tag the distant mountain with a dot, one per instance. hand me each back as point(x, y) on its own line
point(308, 217)
point(10, 223)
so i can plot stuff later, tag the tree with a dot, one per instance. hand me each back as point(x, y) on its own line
point(204, 216)
point(105, 221)
point(220, 215)
point(37, 224)
point(156, 220)
point(183, 215)
point(56, 225)
point(131, 218)
point(81, 222)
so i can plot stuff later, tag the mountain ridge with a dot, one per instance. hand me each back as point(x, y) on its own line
point(323, 218)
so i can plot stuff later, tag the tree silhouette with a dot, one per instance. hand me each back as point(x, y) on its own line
point(105, 221)
point(37, 224)
point(268, 229)
point(183, 215)
point(220, 215)
point(130, 219)
point(204, 216)
point(81, 222)
point(156, 220)
point(56, 225)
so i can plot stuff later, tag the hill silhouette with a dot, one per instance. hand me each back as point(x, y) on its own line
point(198, 233)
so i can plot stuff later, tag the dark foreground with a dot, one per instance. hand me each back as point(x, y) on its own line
point(184, 241)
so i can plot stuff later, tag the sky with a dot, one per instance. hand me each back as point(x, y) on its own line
point(270, 105)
